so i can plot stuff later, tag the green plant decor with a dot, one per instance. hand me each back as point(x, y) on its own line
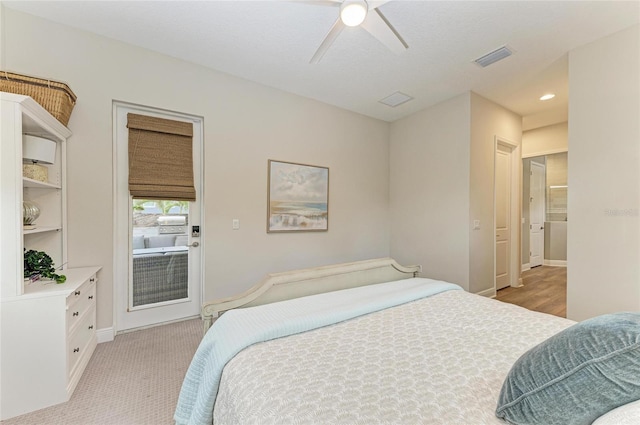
point(39, 263)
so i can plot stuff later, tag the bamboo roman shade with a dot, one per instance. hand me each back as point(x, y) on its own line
point(160, 158)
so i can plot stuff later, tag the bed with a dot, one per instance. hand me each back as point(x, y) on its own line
point(371, 342)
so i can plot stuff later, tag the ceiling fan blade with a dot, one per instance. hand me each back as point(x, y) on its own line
point(332, 3)
point(334, 32)
point(376, 4)
point(378, 26)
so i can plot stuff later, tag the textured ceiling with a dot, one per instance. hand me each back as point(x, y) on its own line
point(271, 42)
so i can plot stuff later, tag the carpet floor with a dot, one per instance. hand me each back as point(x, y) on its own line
point(133, 380)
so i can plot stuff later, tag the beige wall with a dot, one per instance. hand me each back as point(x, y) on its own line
point(556, 175)
point(603, 252)
point(488, 120)
point(2, 67)
point(524, 228)
point(429, 183)
point(442, 162)
point(245, 125)
point(545, 118)
point(555, 241)
point(557, 169)
point(545, 140)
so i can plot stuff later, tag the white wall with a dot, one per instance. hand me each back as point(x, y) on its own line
point(245, 124)
point(603, 251)
point(545, 140)
point(429, 183)
point(489, 120)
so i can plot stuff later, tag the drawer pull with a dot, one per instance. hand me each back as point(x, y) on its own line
point(77, 293)
point(92, 280)
point(75, 313)
point(90, 327)
point(90, 297)
point(76, 350)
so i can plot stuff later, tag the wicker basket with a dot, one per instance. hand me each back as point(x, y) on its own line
point(55, 97)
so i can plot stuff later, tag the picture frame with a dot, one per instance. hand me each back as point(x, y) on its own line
point(297, 197)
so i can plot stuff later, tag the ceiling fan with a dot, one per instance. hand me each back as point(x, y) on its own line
point(361, 13)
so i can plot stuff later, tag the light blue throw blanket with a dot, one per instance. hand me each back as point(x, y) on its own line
point(238, 329)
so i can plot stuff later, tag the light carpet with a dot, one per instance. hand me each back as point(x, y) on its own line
point(134, 380)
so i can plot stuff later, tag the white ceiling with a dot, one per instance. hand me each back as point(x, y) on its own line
point(271, 42)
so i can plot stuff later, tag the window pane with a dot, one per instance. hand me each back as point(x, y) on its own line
point(159, 250)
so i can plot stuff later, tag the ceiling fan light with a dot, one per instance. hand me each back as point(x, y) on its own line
point(352, 13)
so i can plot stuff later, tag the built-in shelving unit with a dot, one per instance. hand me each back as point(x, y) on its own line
point(48, 330)
point(22, 115)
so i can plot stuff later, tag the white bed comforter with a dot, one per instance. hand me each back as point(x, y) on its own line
point(438, 360)
point(239, 329)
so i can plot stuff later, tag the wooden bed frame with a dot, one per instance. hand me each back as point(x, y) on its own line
point(299, 283)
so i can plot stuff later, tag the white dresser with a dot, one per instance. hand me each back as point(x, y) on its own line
point(47, 330)
point(48, 337)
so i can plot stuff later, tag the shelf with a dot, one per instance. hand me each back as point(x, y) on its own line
point(36, 120)
point(27, 182)
point(41, 229)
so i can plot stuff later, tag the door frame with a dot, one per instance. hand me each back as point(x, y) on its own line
point(122, 206)
point(515, 251)
point(544, 208)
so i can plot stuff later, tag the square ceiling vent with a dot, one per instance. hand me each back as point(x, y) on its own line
point(395, 99)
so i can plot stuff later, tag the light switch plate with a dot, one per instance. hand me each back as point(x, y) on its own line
point(235, 224)
point(476, 224)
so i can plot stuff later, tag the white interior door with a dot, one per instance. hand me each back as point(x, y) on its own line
point(536, 214)
point(158, 273)
point(503, 216)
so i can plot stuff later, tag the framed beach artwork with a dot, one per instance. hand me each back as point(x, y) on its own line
point(298, 198)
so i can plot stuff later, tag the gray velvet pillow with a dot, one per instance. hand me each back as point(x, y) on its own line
point(577, 375)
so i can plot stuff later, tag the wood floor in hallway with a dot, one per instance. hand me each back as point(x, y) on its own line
point(544, 290)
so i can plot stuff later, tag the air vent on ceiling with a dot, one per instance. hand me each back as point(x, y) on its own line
point(493, 57)
point(395, 99)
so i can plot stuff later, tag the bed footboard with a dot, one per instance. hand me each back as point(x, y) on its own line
point(299, 283)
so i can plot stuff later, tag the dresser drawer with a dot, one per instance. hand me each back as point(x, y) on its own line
point(80, 341)
point(79, 294)
point(80, 305)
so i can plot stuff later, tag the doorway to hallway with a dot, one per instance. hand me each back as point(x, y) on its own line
point(544, 289)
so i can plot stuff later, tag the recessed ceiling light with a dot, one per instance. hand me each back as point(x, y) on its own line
point(395, 99)
point(548, 96)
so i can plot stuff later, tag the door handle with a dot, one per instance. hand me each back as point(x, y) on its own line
point(194, 245)
point(541, 228)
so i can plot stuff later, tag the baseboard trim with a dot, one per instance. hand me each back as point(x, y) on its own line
point(555, 263)
point(153, 325)
point(526, 267)
point(490, 293)
point(104, 335)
